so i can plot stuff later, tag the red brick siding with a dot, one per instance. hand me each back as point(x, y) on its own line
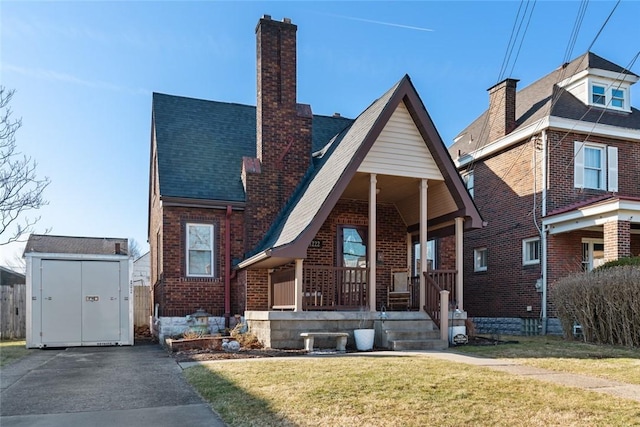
point(561, 187)
point(283, 143)
point(504, 187)
point(176, 291)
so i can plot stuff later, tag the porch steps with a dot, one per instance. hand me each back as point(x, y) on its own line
point(414, 334)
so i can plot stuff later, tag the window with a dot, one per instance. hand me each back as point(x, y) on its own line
point(531, 251)
point(617, 98)
point(200, 250)
point(432, 248)
point(595, 166)
point(597, 95)
point(480, 259)
point(353, 252)
point(607, 96)
point(468, 181)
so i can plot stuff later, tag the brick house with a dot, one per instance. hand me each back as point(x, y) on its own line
point(295, 221)
point(554, 169)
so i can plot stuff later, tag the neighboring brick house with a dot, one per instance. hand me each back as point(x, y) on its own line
point(272, 213)
point(555, 171)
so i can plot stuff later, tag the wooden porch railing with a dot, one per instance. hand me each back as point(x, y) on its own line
point(323, 288)
point(283, 288)
point(438, 281)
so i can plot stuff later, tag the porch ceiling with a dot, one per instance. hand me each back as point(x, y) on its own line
point(404, 193)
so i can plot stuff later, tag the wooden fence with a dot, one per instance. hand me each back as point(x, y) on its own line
point(13, 309)
point(141, 305)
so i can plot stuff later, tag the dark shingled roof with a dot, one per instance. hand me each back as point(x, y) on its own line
point(200, 145)
point(534, 102)
point(44, 243)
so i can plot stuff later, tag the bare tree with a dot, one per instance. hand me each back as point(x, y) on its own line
point(134, 248)
point(20, 189)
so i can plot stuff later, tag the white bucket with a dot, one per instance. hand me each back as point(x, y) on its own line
point(364, 339)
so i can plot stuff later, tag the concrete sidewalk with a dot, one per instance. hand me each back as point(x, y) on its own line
point(99, 387)
point(614, 388)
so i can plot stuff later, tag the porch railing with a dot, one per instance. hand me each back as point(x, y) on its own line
point(323, 288)
point(436, 282)
point(283, 288)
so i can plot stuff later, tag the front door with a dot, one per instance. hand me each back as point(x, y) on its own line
point(592, 253)
point(352, 259)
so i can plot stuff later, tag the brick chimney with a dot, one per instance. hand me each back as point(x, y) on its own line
point(283, 133)
point(502, 108)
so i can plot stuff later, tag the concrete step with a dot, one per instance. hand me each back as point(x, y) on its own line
point(433, 344)
point(418, 324)
point(399, 334)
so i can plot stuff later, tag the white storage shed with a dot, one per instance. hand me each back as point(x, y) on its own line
point(79, 292)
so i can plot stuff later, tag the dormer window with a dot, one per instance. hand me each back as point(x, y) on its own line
point(608, 96)
point(617, 98)
point(598, 95)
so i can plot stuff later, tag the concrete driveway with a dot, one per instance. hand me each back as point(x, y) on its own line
point(100, 386)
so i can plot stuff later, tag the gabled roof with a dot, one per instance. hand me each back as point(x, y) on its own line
point(322, 187)
point(45, 243)
point(536, 101)
point(10, 276)
point(200, 145)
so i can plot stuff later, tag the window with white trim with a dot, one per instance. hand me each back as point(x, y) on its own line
point(595, 166)
point(531, 251)
point(610, 96)
point(468, 181)
point(200, 250)
point(480, 259)
point(597, 95)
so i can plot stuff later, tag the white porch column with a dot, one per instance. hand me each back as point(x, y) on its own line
point(372, 241)
point(459, 263)
point(298, 285)
point(409, 254)
point(423, 241)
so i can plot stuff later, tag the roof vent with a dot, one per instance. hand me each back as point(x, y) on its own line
point(336, 115)
point(265, 16)
point(286, 20)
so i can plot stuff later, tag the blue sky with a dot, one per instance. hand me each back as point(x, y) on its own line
point(84, 73)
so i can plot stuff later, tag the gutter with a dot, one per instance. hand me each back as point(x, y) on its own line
point(260, 256)
point(227, 267)
point(543, 232)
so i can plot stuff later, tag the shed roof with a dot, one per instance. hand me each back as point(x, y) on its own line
point(45, 243)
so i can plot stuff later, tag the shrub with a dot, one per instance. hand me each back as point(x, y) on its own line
point(244, 337)
point(633, 260)
point(606, 303)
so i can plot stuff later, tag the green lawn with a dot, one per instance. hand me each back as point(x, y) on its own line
point(11, 350)
point(395, 391)
point(554, 353)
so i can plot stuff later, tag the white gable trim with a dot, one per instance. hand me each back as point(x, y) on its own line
point(400, 150)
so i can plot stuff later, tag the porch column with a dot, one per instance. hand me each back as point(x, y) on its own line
point(372, 241)
point(298, 285)
point(617, 240)
point(423, 242)
point(459, 264)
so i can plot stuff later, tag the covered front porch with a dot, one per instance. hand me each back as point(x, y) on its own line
point(350, 249)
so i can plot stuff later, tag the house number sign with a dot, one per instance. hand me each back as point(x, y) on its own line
point(315, 243)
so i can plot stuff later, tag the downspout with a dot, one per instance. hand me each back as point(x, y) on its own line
point(227, 268)
point(543, 232)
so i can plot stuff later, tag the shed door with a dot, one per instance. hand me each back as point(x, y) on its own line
point(100, 301)
point(61, 304)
